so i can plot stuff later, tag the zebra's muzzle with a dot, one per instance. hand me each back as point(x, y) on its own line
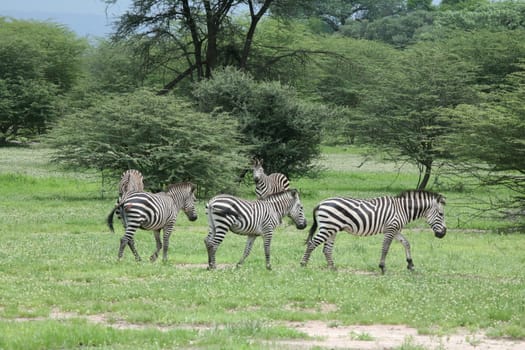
point(440, 234)
point(301, 225)
point(192, 217)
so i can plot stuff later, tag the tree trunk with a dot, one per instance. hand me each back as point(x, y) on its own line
point(255, 17)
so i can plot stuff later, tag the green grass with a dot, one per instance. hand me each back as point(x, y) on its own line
point(62, 286)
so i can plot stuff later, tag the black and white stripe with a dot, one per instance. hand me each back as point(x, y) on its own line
point(250, 218)
point(364, 217)
point(266, 185)
point(154, 211)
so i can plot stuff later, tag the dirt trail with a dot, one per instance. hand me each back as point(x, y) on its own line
point(375, 337)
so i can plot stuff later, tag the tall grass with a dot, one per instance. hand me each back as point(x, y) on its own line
point(62, 286)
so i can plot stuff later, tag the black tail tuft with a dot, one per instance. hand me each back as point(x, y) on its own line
point(110, 219)
point(313, 228)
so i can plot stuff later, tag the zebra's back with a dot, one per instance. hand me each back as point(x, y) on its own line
point(271, 184)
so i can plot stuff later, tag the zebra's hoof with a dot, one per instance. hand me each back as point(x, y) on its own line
point(269, 267)
point(152, 258)
point(410, 265)
point(303, 263)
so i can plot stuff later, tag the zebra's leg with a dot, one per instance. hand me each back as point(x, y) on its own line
point(211, 247)
point(405, 244)
point(310, 246)
point(386, 246)
point(267, 242)
point(155, 254)
point(166, 237)
point(131, 244)
point(127, 239)
point(247, 249)
point(327, 250)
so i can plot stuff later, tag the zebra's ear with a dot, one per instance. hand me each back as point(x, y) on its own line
point(193, 187)
point(294, 192)
point(442, 200)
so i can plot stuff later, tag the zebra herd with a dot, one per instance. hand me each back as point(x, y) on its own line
point(260, 217)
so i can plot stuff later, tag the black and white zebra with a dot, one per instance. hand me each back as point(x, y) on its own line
point(251, 218)
point(266, 185)
point(364, 217)
point(154, 211)
point(130, 181)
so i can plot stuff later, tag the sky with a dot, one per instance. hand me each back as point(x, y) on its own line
point(91, 18)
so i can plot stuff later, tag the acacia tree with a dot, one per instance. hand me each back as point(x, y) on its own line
point(489, 138)
point(163, 137)
point(404, 115)
point(191, 31)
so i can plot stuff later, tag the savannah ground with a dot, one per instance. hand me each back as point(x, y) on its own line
point(61, 286)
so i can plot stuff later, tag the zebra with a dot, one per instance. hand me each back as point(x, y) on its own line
point(364, 217)
point(130, 181)
point(154, 211)
point(251, 218)
point(266, 185)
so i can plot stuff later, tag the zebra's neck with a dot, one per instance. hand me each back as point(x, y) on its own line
point(413, 208)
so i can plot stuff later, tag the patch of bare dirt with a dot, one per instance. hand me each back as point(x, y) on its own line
point(375, 337)
point(330, 335)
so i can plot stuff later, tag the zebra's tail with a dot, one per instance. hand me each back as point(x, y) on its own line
point(110, 219)
point(313, 228)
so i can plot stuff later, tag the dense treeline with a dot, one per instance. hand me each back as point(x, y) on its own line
point(431, 84)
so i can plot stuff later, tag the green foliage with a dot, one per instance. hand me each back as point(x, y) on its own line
point(39, 61)
point(163, 137)
point(113, 68)
point(480, 14)
point(275, 123)
point(492, 135)
point(407, 121)
point(400, 30)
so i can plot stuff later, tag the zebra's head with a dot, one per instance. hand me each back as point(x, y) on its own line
point(185, 191)
point(297, 211)
point(258, 170)
point(436, 216)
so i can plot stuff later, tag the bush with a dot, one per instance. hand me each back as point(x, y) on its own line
point(161, 136)
point(277, 125)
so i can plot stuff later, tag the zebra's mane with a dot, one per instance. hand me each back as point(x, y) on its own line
point(439, 197)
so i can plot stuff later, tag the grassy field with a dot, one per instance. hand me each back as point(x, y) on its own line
point(61, 286)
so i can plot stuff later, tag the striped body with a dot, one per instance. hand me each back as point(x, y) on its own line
point(364, 217)
point(156, 212)
point(266, 185)
point(250, 218)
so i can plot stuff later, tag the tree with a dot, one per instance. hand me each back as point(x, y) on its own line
point(403, 115)
point(276, 125)
point(192, 31)
point(39, 63)
point(161, 136)
point(490, 140)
